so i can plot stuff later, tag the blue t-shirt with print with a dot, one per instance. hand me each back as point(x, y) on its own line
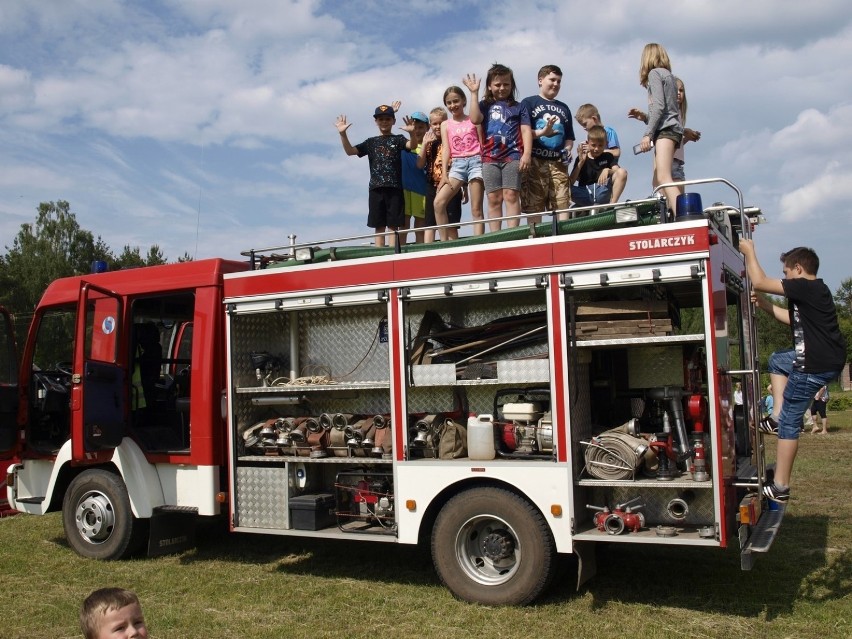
point(549, 147)
point(502, 123)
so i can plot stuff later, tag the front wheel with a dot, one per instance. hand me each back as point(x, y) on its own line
point(97, 517)
point(493, 547)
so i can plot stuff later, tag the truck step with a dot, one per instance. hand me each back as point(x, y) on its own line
point(31, 500)
point(185, 510)
point(762, 536)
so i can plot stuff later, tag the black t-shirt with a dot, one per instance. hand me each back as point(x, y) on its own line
point(591, 169)
point(819, 344)
point(385, 155)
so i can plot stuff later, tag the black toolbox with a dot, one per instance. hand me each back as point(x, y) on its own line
point(312, 512)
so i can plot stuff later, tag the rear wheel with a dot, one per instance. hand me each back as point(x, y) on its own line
point(97, 517)
point(493, 547)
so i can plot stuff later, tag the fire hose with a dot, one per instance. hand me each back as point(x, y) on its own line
point(614, 455)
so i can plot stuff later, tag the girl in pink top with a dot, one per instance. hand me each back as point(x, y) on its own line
point(462, 147)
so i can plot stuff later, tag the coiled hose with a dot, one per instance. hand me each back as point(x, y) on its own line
point(614, 455)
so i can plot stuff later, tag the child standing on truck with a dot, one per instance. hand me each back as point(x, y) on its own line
point(507, 146)
point(461, 154)
point(431, 160)
point(384, 151)
point(818, 356)
point(110, 613)
point(665, 130)
point(545, 185)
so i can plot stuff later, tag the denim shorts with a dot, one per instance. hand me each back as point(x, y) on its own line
point(466, 169)
point(678, 174)
point(591, 194)
point(800, 390)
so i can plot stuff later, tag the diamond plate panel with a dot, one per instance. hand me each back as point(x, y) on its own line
point(344, 344)
point(652, 366)
point(257, 332)
point(524, 370)
point(656, 500)
point(261, 499)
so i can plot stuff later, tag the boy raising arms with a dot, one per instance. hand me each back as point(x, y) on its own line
point(112, 613)
point(818, 356)
point(384, 151)
point(587, 117)
point(545, 185)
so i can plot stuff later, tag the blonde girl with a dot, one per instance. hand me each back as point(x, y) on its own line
point(689, 135)
point(664, 129)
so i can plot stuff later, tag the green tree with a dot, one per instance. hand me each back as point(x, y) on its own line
point(53, 246)
point(131, 257)
point(843, 300)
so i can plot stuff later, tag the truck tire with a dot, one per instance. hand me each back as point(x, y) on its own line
point(491, 546)
point(98, 520)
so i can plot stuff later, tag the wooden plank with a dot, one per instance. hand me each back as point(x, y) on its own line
point(622, 308)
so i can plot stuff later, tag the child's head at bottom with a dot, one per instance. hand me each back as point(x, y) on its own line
point(110, 613)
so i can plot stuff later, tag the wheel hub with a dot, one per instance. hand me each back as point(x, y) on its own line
point(498, 544)
point(95, 518)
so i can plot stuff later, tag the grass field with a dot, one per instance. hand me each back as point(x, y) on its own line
point(264, 586)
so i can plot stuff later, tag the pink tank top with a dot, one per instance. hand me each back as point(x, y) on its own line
point(463, 138)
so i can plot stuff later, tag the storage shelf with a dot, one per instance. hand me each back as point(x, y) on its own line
point(308, 388)
point(332, 532)
point(283, 459)
point(482, 382)
point(686, 536)
point(641, 341)
point(681, 482)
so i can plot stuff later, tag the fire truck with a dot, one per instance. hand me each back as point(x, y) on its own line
point(502, 399)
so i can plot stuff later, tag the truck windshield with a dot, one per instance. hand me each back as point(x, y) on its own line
point(55, 342)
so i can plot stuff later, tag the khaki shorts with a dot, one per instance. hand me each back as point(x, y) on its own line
point(669, 133)
point(544, 186)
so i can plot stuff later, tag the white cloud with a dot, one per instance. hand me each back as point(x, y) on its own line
point(140, 113)
point(827, 192)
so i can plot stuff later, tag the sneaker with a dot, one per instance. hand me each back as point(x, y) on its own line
point(777, 494)
point(768, 425)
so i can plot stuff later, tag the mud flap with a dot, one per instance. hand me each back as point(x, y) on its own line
point(172, 530)
point(587, 561)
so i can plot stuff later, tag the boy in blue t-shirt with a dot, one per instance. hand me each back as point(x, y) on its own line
point(545, 185)
point(384, 151)
point(589, 116)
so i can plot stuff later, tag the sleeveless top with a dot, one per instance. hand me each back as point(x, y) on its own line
point(463, 138)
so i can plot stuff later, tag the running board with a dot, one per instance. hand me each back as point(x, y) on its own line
point(762, 536)
point(30, 500)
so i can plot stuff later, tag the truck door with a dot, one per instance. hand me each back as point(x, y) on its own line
point(8, 386)
point(98, 381)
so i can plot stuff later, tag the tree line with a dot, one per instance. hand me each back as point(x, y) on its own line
point(55, 246)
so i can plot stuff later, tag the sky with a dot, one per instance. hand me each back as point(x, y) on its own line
point(207, 126)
